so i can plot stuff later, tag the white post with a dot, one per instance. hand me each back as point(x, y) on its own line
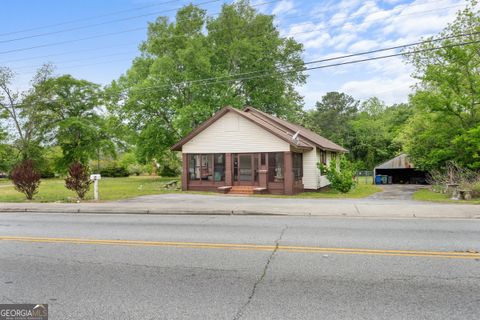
point(95, 178)
point(95, 190)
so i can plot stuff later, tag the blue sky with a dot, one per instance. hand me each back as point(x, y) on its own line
point(326, 28)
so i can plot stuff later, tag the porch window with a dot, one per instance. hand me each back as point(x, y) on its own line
point(297, 166)
point(194, 166)
point(206, 167)
point(275, 167)
point(219, 166)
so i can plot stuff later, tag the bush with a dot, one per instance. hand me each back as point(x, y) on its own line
point(340, 180)
point(78, 179)
point(26, 179)
point(114, 172)
point(135, 169)
point(169, 172)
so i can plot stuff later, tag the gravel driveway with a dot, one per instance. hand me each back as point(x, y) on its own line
point(396, 192)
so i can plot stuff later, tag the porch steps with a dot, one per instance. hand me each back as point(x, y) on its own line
point(242, 190)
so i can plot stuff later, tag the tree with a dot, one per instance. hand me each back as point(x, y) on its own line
point(332, 115)
point(19, 111)
point(165, 94)
point(374, 132)
point(26, 179)
point(448, 93)
point(69, 111)
point(78, 179)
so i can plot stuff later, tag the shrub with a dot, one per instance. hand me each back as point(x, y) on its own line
point(135, 169)
point(114, 172)
point(78, 179)
point(169, 172)
point(25, 178)
point(340, 179)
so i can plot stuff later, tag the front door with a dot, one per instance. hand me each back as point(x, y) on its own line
point(244, 169)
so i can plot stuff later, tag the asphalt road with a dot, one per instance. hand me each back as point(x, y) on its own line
point(240, 267)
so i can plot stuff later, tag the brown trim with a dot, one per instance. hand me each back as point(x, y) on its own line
point(295, 127)
point(178, 146)
point(219, 114)
point(184, 172)
point(228, 169)
point(288, 174)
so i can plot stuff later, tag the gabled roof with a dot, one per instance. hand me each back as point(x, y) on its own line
point(399, 162)
point(319, 141)
point(278, 127)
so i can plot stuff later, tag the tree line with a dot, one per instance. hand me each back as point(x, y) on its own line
point(192, 66)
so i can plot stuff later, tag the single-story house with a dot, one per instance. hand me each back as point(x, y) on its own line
point(401, 170)
point(251, 151)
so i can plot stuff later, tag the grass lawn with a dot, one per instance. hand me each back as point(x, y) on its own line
point(53, 190)
point(429, 195)
point(362, 190)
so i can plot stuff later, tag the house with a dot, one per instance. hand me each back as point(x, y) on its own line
point(251, 151)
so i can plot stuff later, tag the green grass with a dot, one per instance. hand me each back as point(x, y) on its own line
point(429, 195)
point(53, 190)
point(362, 190)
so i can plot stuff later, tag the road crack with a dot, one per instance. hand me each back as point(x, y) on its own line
point(242, 309)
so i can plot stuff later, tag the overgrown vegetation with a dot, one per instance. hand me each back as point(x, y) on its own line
point(341, 176)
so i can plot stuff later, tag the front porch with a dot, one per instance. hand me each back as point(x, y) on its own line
point(243, 173)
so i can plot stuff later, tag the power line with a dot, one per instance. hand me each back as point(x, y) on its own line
point(71, 52)
point(104, 34)
point(99, 23)
point(187, 82)
point(113, 21)
point(86, 18)
point(142, 28)
point(77, 60)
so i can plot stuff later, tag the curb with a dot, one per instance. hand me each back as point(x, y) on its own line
point(224, 213)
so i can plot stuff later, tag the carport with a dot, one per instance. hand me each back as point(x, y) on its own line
point(400, 170)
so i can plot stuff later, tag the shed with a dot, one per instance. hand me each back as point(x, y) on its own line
point(401, 170)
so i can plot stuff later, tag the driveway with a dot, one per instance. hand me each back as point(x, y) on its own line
point(396, 192)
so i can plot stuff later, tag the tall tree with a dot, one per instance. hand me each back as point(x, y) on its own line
point(166, 96)
point(19, 114)
point(69, 110)
point(447, 99)
point(332, 115)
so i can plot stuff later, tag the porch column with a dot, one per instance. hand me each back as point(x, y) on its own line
point(288, 174)
point(184, 172)
point(228, 169)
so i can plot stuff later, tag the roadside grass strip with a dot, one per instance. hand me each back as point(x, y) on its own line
point(254, 247)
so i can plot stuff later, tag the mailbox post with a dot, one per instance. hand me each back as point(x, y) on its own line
point(95, 178)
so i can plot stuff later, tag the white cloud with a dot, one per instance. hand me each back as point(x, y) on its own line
point(363, 45)
point(283, 7)
point(391, 90)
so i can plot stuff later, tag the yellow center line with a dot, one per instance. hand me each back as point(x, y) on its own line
point(254, 247)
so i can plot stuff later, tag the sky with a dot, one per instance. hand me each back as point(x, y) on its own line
point(96, 40)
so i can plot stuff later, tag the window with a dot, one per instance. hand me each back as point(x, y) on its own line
point(323, 157)
point(297, 166)
point(275, 167)
point(194, 167)
point(219, 167)
point(206, 167)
